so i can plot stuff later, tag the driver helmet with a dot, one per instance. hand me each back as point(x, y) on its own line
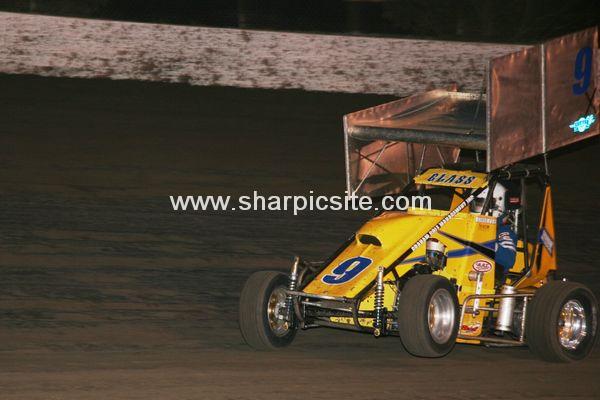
point(497, 202)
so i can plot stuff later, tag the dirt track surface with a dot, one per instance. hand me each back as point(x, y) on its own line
point(105, 293)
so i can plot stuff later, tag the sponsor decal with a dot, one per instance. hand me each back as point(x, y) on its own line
point(583, 124)
point(482, 266)
point(486, 220)
point(547, 240)
point(443, 222)
point(467, 329)
point(451, 178)
point(514, 200)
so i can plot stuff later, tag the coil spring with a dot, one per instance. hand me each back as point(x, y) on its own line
point(293, 282)
point(379, 290)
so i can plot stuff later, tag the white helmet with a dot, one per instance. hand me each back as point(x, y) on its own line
point(497, 203)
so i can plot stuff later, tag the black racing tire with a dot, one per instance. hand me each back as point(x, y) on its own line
point(544, 322)
point(253, 311)
point(414, 316)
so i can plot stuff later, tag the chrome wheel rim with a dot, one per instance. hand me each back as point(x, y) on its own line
point(441, 316)
point(276, 312)
point(572, 325)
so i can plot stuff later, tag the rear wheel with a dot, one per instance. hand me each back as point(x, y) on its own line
point(562, 322)
point(262, 311)
point(428, 316)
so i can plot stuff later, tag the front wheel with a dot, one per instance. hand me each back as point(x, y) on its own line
point(562, 322)
point(428, 316)
point(262, 311)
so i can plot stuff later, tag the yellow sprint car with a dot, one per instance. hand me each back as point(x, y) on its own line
point(431, 277)
point(480, 266)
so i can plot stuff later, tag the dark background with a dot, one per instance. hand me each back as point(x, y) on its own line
point(515, 21)
point(106, 293)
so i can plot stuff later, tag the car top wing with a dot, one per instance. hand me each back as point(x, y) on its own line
point(536, 100)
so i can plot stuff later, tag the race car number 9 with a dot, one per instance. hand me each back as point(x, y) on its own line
point(347, 270)
point(582, 71)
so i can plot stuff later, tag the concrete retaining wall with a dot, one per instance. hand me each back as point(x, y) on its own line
point(71, 47)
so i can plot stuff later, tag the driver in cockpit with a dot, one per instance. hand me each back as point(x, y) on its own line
point(506, 238)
